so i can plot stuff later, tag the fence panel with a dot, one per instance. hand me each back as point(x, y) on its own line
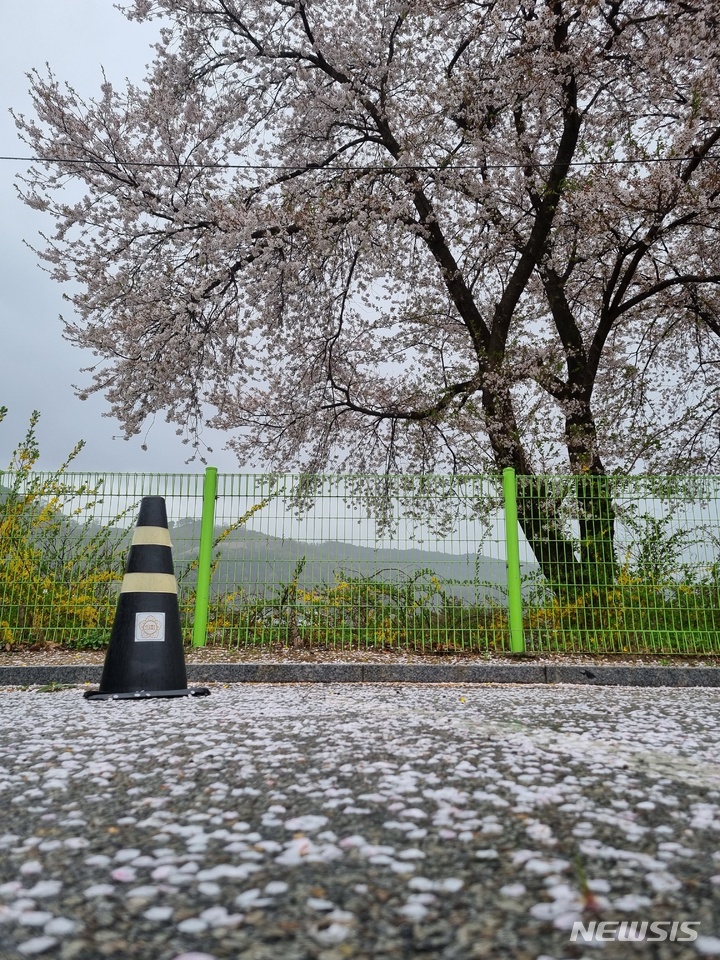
point(63, 543)
point(416, 562)
point(643, 573)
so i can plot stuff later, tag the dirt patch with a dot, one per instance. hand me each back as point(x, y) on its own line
point(58, 656)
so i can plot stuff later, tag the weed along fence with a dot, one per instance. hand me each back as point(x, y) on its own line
point(433, 563)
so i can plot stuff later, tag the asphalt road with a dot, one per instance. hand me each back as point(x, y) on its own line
point(290, 822)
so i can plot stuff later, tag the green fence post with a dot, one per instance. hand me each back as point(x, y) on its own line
point(202, 592)
point(512, 551)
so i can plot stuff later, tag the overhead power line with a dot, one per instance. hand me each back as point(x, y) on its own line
point(349, 168)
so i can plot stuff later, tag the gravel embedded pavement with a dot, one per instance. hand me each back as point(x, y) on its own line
point(359, 822)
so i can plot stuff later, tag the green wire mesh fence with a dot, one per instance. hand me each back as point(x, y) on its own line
point(410, 561)
point(63, 543)
point(625, 564)
point(425, 563)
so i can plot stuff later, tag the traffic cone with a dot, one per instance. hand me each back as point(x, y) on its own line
point(145, 656)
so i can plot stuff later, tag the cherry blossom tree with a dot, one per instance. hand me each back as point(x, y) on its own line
point(406, 234)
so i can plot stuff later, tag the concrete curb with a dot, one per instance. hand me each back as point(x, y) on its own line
point(589, 675)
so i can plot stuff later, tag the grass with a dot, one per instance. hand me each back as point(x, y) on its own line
point(421, 614)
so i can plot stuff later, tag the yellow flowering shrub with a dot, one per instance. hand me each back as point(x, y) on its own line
point(636, 614)
point(48, 594)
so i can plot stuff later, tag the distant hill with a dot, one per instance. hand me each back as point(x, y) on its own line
point(261, 564)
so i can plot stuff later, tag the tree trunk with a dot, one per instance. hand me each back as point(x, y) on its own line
point(546, 507)
point(569, 564)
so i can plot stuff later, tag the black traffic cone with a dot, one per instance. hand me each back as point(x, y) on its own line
point(145, 656)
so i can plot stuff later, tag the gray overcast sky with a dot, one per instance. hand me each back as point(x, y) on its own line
point(37, 367)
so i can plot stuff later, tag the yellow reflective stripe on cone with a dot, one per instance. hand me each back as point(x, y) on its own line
point(149, 583)
point(159, 536)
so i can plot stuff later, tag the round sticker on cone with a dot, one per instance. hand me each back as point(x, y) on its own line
point(149, 626)
point(145, 657)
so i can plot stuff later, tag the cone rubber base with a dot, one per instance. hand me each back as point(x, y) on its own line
point(148, 694)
